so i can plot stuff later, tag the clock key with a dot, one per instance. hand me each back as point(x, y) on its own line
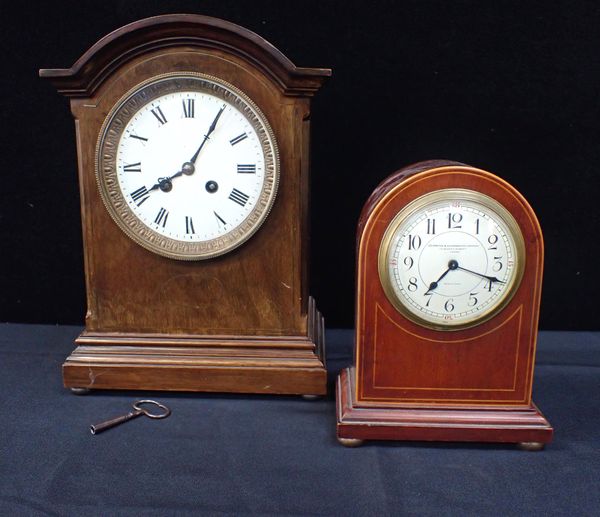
point(137, 411)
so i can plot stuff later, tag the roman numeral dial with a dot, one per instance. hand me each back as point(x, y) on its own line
point(196, 171)
point(237, 196)
point(160, 116)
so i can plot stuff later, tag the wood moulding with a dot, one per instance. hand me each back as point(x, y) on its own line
point(510, 424)
point(283, 365)
point(176, 30)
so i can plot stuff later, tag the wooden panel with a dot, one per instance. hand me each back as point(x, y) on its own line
point(132, 286)
point(400, 361)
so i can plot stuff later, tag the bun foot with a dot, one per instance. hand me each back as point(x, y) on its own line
point(312, 397)
point(80, 391)
point(530, 446)
point(350, 442)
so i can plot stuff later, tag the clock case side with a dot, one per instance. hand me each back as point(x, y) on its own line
point(290, 360)
point(372, 202)
point(361, 418)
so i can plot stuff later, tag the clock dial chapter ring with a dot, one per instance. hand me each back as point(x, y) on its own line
point(451, 259)
point(200, 183)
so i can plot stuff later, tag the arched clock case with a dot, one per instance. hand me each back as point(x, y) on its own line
point(193, 156)
point(449, 277)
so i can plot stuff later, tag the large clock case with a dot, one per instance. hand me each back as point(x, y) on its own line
point(241, 322)
point(417, 383)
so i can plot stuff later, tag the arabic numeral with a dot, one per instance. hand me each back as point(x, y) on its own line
point(493, 240)
point(414, 242)
point(497, 265)
point(473, 299)
point(454, 219)
point(412, 284)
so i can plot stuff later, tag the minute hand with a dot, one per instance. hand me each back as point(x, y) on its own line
point(210, 130)
point(490, 278)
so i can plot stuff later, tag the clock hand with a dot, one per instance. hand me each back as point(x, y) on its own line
point(452, 264)
point(188, 168)
point(163, 183)
point(166, 184)
point(490, 278)
point(207, 135)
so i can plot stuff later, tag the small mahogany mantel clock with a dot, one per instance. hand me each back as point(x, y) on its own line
point(449, 274)
point(192, 141)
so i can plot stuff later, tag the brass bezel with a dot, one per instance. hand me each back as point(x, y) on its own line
point(435, 197)
point(106, 169)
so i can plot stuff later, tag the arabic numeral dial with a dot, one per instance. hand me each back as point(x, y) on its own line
point(453, 259)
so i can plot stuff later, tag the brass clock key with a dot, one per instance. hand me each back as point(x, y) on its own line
point(137, 411)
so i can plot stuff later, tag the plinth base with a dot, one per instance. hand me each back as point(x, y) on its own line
point(293, 365)
point(357, 422)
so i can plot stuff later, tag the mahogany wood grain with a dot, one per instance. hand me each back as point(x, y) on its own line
point(404, 370)
point(253, 297)
point(499, 424)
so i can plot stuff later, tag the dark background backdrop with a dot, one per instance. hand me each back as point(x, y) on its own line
point(511, 87)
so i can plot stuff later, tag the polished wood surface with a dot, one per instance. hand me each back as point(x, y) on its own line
point(357, 421)
point(402, 366)
point(258, 293)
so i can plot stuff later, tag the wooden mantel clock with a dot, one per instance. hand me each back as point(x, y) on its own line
point(449, 276)
point(192, 141)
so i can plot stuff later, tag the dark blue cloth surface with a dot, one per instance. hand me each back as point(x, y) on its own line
point(264, 455)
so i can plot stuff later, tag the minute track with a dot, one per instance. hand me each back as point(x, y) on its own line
point(442, 274)
point(224, 204)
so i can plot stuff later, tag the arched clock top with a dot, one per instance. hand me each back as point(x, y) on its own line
point(391, 181)
point(141, 37)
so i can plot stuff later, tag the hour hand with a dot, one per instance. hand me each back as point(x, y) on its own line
point(163, 184)
point(452, 264)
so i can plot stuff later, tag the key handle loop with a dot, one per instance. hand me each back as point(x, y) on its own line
point(138, 403)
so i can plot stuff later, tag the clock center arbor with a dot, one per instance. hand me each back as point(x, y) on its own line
point(193, 155)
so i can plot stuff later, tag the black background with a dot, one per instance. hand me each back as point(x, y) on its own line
point(511, 87)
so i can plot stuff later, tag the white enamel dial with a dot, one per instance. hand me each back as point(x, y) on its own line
point(451, 259)
point(187, 166)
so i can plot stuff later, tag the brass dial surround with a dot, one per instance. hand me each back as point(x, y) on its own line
point(437, 198)
point(106, 167)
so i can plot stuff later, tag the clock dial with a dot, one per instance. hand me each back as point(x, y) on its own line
point(451, 259)
point(187, 166)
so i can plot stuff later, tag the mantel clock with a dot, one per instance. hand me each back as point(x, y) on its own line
point(193, 142)
point(449, 274)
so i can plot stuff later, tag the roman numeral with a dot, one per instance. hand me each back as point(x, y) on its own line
point(133, 167)
point(239, 197)
point(189, 225)
point(161, 218)
point(188, 108)
point(139, 138)
point(238, 139)
point(246, 168)
point(140, 195)
point(157, 112)
point(219, 218)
